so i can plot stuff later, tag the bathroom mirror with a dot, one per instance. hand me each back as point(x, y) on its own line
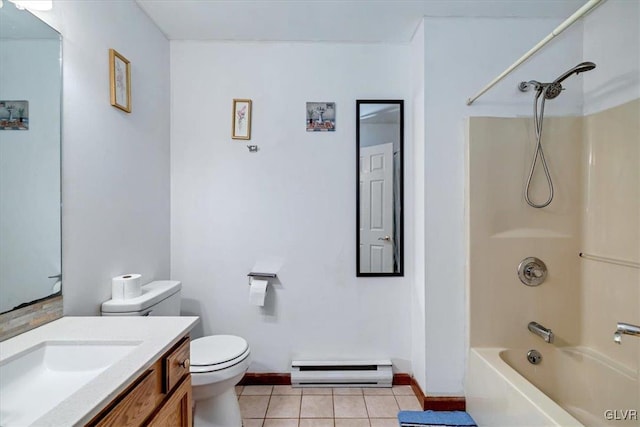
point(379, 187)
point(30, 108)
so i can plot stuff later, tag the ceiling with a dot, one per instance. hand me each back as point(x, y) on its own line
point(363, 21)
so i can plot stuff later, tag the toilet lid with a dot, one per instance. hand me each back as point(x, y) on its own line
point(216, 349)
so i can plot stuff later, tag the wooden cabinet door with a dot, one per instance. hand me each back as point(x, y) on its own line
point(136, 405)
point(176, 411)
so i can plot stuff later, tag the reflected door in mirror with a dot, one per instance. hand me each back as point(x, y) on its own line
point(379, 134)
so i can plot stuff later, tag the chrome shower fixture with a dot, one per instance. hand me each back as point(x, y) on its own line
point(546, 91)
point(553, 89)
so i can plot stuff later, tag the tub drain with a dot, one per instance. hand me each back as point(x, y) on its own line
point(534, 357)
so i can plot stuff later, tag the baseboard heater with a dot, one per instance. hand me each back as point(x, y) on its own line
point(340, 373)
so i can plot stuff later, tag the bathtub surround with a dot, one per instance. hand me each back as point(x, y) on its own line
point(596, 169)
point(504, 230)
point(611, 228)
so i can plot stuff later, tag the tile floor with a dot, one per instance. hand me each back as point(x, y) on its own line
point(285, 406)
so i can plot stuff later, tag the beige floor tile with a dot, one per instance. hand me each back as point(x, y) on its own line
point(284, 407)
point(283, 422)
point(382, 422)
point(369, 391)
point(347, 391)
point(349, 407)
point(316, 422)
point(403, 390)
point(253, 406)
point(382, 406)
point(316, 407)
point(239, 390)
point(252, 422)
point(352, 422)
point(408, 403)
point(257, 390)
point(286, 390)
point(317, 390)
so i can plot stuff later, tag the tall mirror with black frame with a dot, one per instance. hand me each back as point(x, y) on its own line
point(379, 190)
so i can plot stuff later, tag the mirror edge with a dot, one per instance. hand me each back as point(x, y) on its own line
point(400, 102)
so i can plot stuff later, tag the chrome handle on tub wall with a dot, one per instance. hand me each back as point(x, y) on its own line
point(625, 329)
point(532, 271)
point(544, 333)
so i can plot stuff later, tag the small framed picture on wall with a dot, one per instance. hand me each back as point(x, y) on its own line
point(241, 119)
point(321, 116)
point(120, 81)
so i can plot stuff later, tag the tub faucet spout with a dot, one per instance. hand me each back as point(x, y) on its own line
point(625, 329)
point(544, 333)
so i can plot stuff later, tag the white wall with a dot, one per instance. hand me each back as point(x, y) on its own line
point(379, 133)
point(418, 331)
point(461, 56)
point(30, 173)
point(115, 180)
point(293, 201)
point(612, 42)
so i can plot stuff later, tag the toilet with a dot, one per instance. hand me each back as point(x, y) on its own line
point(218, 362)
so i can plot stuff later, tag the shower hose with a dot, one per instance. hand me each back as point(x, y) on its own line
point(537, 119)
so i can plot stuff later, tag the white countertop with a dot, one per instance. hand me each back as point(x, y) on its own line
point(155, 334)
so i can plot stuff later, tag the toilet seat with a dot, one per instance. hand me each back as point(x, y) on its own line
point(217, 352)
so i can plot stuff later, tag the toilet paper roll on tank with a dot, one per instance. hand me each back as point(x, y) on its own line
point(126, 286)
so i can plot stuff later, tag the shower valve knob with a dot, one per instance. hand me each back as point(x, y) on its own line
point(532, 271)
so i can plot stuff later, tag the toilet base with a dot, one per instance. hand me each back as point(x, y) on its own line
point(222, 410)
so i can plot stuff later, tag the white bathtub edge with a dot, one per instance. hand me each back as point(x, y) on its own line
point(497, 395)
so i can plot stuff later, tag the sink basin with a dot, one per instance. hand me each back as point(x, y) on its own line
point(36, 380)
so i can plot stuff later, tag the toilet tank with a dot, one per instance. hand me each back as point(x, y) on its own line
point(159, 298)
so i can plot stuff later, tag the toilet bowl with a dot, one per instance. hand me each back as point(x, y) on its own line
point(218, 362)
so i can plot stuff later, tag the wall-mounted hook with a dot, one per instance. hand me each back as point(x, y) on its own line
point(252, 148)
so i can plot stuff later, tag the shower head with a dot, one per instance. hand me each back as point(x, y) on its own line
point(580, 68)
point(555, 88)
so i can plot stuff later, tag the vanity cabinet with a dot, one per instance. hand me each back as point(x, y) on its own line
point(161, 396)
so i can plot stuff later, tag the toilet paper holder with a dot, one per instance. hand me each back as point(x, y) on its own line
point(261, 276)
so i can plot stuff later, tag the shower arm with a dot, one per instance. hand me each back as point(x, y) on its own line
point(586, 8)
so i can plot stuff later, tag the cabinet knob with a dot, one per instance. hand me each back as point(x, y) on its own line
point(185, 363)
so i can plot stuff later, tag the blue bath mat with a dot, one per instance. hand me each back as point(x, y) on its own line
point(435, 418)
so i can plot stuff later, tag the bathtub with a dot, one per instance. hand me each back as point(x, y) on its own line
point(572, 386)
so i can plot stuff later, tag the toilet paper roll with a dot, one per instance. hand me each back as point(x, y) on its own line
point(126, 286)
point(258, 292)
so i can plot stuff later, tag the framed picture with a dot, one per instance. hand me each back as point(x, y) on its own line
point(241, 119)
point(120, 80)
point(321, 116)
point(14, 115)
